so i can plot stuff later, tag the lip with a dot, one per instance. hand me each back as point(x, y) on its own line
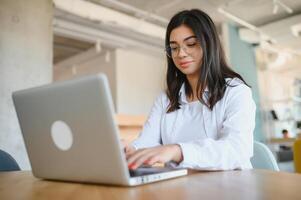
point(185, 64)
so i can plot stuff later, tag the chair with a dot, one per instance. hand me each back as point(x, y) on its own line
point(297, 155)
point(263, 158)
point(7, 162)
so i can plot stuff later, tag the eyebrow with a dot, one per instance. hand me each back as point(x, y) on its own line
point(187, 38)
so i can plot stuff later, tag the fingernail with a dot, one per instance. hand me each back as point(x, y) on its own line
point(131, 165)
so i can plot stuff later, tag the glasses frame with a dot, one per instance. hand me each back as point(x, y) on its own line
point(183, 46)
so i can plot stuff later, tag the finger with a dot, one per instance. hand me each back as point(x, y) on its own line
point(133, 156)
point(153, 160)
point(142, 159)
point(129, 150)
point(129, 153)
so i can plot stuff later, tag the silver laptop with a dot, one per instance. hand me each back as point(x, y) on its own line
point(70, 134)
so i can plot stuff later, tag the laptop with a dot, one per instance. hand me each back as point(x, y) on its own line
point(70, 134)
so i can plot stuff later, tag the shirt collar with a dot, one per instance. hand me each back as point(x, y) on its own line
point(182, 94)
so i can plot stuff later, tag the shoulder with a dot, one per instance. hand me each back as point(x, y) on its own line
point(238, 100)
point(237, 90)
point(236, 85)
point(162, 100)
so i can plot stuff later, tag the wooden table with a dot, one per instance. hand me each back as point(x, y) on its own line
point(242, 185)
point(283, 141)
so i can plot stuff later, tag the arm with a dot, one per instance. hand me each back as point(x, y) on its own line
point(235, 146)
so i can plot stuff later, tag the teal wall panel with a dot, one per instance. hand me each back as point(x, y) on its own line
point(242, 59)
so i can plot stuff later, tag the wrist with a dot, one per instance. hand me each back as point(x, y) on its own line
point(178, 156)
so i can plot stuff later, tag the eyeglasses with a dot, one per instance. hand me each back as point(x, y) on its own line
point(173, 50)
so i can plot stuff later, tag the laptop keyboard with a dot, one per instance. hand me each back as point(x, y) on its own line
point(148, 171)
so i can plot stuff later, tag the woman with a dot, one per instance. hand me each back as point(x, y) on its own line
point(206, 117)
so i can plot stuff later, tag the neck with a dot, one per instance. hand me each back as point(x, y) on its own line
point(193, 81)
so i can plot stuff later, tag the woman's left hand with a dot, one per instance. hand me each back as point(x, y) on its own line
point(150, 156)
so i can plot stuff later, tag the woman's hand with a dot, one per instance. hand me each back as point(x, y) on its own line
point(150, 156)
point(128, 149)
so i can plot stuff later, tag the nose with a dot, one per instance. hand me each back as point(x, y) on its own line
point(182, 52)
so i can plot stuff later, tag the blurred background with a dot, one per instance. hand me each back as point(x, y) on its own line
point(44, 41)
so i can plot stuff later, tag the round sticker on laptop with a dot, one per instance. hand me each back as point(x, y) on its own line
point(61, 135)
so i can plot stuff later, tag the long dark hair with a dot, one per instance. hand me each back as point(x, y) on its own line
point(214, 68)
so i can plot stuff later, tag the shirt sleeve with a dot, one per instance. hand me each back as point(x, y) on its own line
point(150, 135)
point(235, 146)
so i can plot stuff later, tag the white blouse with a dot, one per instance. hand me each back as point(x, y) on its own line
point(221, 139)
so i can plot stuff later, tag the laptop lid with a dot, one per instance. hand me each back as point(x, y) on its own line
point(70, 132)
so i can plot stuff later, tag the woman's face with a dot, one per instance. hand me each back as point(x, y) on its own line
point(185, 50)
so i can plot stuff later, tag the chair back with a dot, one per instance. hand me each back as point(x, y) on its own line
point(263, 158)
point(7, 162)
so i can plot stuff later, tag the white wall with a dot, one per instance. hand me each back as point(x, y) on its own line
point(25, 61)
point(99, 63)
point(136, 77)
point(140, 78)
point(276, 83)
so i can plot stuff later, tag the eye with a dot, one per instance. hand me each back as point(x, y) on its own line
point(191, 44)
point(174, 48)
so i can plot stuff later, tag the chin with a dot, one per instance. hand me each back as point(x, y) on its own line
point(188, 71)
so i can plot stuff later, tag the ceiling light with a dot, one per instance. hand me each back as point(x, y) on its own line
point(98, 45)
point(296, 30)
point(279, 3)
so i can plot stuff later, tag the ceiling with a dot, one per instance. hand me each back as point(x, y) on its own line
point(256, 12)
point(67, 47)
